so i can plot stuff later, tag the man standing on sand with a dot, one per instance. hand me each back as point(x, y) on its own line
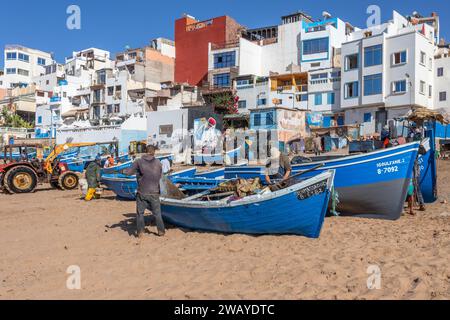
point(93, 177)
point(148, 170)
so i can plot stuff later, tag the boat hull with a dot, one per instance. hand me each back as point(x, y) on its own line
point(371, 185)
point(286, 212)
point(125, 187)
point(428, 170)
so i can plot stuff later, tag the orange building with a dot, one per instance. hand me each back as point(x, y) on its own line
point(192, 38)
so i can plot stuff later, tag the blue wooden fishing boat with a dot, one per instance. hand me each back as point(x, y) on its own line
point(125, 187)
point(428, 169)
point(128, 163)
point(300, 210)
point(372, 185)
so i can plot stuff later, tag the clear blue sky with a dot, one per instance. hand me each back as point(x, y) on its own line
point(112, 24)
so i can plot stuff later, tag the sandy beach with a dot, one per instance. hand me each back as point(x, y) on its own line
point(44, 233)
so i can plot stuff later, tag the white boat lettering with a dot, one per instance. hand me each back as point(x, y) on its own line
point(390, 163)
point(387, 170)
point(312, 190)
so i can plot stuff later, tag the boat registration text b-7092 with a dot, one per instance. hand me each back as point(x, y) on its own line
point(312, 190)
point(389, 166)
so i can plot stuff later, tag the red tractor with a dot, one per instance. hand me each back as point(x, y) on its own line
point(25, 168)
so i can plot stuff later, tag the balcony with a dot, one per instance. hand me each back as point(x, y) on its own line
point(55, 100)
point(302, 88)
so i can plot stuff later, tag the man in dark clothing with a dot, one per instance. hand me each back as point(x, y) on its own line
point(385, 136)
point(93, 177)
point(284, 169)
point(148, 171)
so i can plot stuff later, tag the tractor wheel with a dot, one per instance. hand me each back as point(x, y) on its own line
point(68, 181)
point(20, 179)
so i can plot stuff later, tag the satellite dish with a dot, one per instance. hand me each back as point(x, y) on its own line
point(326, 15)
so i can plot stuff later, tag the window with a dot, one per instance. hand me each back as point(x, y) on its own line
point(440, 72)
point(422, 87)
point(430, 63)
point(39, 119)
point(261, 102)
point(24, 57)
point(399, 58)
point(109, 108)
point(373, 56)
point(47, 82)
point(257, 119)
point(269, 119)
point(430, 91)
point(373, 84)
point(11, 71)
point(166, 129)
point(225, 59)
point(319, 76)
point(315, 46)
point(335, 74)
point(117, 108)
point(23, 72)
point(110, 91)
point(399, 86)
point(301, 97)
point(318, 99)
point(423, 57)
point(11, 56)
point(240, 83)
point(41, 61)
point(242, 104)
point(351, 62)
point(367, 117)
point(222, 80)
point(331, 98)
point(351, 90)
point(443, 96)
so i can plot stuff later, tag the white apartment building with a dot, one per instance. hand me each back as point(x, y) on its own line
point(22, 65)
point(294, 65)
point(387, 70)
point(321, 44)
point(68, 90)
point(130, 87)
point(442, 80)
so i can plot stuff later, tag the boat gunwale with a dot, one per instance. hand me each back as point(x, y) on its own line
point(107, 176)
point(345, 158)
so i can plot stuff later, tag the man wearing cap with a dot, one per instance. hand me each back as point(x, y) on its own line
point(284, 166)
point(93, 177)
point(210, 137)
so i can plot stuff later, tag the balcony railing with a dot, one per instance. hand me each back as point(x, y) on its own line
point(55, 99)
point(245, 86)
point(224, 45)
